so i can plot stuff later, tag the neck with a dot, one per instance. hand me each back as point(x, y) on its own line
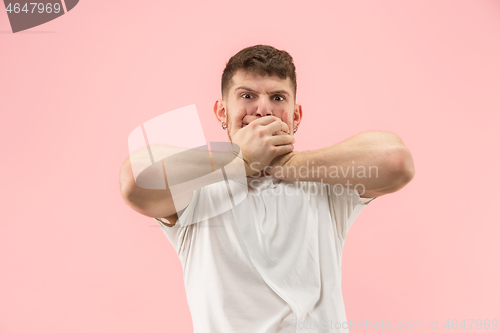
point(260, 174)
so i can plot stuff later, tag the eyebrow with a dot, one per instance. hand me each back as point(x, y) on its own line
point(270, 93)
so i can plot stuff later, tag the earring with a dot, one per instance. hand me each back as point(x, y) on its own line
point(296, 128)
point(223, 127)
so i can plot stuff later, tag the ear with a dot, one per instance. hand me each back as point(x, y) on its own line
point(220, 111)
point(297, 115)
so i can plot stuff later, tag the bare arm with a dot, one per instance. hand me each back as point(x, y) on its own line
point(375, 162)
point(150, 194)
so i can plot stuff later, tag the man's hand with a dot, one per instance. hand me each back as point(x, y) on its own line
point(258, 144)
point(277, 166)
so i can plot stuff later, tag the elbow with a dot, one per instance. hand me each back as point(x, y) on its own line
point(401, 166)
point(126, 179)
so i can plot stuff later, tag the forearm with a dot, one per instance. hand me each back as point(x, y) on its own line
point(180, 169)
point(378, 161)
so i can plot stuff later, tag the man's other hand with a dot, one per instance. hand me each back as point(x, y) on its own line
point(260, 139)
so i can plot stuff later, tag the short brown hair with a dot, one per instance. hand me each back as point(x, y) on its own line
point(262, 60)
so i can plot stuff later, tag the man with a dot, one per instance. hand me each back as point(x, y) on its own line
point(272, 262)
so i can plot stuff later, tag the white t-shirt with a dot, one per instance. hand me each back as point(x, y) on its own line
point(272, 263)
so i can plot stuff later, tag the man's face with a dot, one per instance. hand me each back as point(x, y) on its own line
point(261, 96)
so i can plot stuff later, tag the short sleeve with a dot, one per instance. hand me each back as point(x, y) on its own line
point(176, 234)
point(179, 213)
point(345, 206)
point(207, 202)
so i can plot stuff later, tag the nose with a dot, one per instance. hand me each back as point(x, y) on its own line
point(264, 107)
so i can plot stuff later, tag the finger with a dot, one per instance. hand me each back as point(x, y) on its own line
point(276, 126)
point(248, 119)
point(280, 150)
point(285, 116)
point(283, 139)
point(236, 120)
point(266, 120)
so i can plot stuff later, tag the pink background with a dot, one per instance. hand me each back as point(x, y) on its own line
point(75, 258)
